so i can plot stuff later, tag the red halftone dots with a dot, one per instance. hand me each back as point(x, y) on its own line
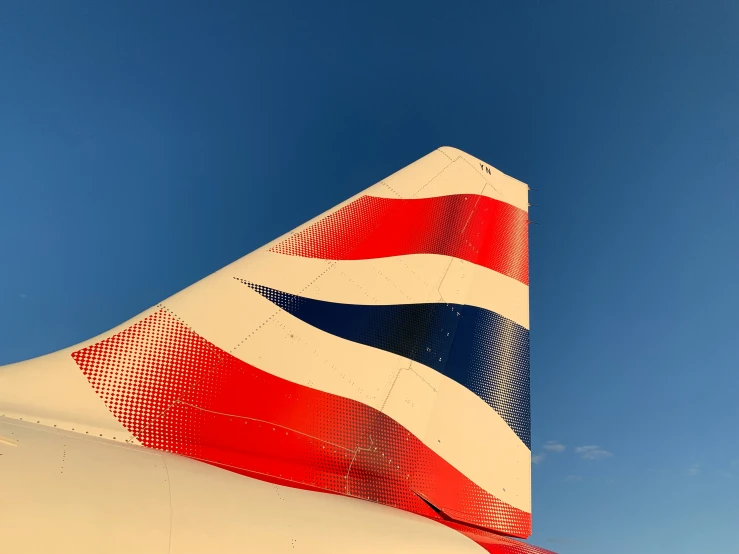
point(475, 228)
point(141, 372)
point(175, 391)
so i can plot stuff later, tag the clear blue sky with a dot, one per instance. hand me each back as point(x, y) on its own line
point(144, 145)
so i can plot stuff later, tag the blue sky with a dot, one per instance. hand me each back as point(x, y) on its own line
point(145, 145)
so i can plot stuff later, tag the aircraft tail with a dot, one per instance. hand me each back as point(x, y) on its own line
point(379, 351)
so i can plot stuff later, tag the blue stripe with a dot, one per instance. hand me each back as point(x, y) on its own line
point(479, 349)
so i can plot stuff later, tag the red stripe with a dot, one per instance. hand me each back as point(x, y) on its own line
point(475, 228)
point(175, 391)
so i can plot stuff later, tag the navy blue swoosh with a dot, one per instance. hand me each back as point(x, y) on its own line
point(479, 349)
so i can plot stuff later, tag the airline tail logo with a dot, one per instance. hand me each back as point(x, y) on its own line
point(380, 351)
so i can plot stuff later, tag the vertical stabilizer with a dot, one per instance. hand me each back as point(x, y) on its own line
point(379, 351)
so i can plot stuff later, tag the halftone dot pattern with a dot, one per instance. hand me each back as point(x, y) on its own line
point(490, 356)
point(479, 349)
point(142, 371)
point(500, 367)
point(334, 234)
point(176, 391)
point(470, 227)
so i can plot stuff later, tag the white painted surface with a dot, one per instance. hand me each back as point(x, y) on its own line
point(66, 493)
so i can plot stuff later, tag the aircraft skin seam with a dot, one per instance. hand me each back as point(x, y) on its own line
point(395, 286)
point(313, 352)
point(401, 260)
point(353, 282)
point(351, 464)
point(161, 306)
point(268, 422)
point(299, 483)
point(472, 212)
point(73, 435)
point(331, 266)
point(446, 272)
point(433, 388)
point(255, 330)
point(390, 390)
point(412, 196)
point(169, 494)
point(482, 174)
point(80, 430)
point(396, 193)
point(239, 469)
point(445, 154)
point(427, 182)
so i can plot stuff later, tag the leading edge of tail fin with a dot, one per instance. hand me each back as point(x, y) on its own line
point(379, 351)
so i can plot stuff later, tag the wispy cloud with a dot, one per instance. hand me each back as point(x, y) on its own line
point(727, 475)
point(592, 452)
point(22, 295)
point(694, 470)
point(573, 478)
point(538, 458)
point(554, 446)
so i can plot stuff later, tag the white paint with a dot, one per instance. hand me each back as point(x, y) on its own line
point(66, 493)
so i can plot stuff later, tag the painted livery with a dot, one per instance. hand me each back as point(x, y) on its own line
point(370, 367)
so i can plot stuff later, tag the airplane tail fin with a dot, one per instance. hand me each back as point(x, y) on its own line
point(379, 351)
